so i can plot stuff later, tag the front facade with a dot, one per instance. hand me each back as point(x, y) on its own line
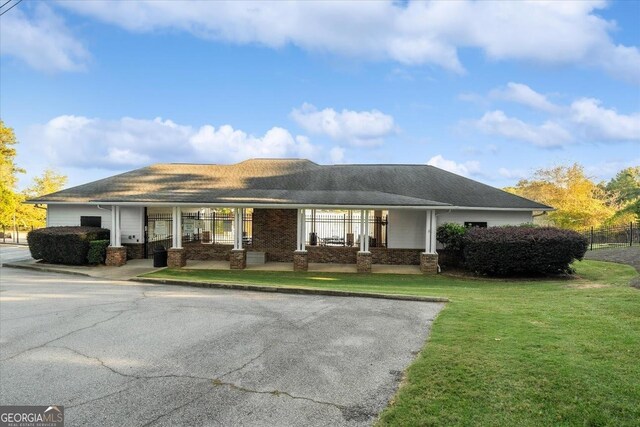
point(284, 210)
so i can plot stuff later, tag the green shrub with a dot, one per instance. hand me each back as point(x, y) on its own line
point(64, 245)
point(97, 251)
point(513, 251)
point(451, 236)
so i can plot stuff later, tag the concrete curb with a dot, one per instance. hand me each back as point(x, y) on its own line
point(283, 290)
point(45, 269)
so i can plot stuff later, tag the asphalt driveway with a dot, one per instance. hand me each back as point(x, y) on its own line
point(122, 353)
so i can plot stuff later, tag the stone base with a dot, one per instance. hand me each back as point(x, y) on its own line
point(134, 250)
point(300, 261)
point(429, 263)
point(363, 262)
point(116, 256)
point(238, 259)
point(176, 258)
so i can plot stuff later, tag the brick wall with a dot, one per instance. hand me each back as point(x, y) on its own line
point(134, 250)
point(274, 232)
point(395, 256)
point(332, 254)
point(199, 251)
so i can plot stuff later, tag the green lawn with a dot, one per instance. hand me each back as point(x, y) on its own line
point(554, 352)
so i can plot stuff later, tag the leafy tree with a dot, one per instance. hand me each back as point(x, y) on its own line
point(625, 189)
point(9, 201)
point(34, 216)
point(578, 201)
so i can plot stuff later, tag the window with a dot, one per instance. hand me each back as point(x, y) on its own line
point(91, 221)
point(475, 224)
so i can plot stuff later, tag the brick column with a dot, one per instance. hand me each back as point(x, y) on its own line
point(429, 263)
point(363, 261)
point(116, 256)
point(176, 258)
point(238, 259)
point(300, 261)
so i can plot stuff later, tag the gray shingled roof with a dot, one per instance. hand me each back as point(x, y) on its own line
point(273, 181)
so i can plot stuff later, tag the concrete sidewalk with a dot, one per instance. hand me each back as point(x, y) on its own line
point(132, 268)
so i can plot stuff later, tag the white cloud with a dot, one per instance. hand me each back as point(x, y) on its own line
point(414, 33)
point(359, 128)
point(512, 173)
point(336, 154)
point(549, 134)
point(76, 141)
point(42, 40)
point(471, 167)
point(598, 123)
point(523, 94)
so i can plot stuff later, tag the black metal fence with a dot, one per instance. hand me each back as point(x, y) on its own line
point(201, 227)
point(613, 236)
point(331, 229)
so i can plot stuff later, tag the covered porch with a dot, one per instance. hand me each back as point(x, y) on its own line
point(340, 239)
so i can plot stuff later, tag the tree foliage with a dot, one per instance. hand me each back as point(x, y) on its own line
point(625, 188)
point(578, 201)
point(12, 209)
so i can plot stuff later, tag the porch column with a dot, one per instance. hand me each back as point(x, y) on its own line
point(300, 256)
point(363, 258)
point(116, 253)
point(176, 257)
point(238, 256)
point(429, 258)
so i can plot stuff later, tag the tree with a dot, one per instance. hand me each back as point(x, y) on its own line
point(625, 189)
point(33, 216)
point(578, 201)
point(9, 201)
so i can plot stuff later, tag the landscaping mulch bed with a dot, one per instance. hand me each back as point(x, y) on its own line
point(630, 256)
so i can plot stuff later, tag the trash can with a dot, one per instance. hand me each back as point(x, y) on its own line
point(313, 239)
point(160, 257)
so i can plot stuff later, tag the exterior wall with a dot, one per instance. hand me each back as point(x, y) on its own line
point(274, 232)
point(492, 218)
point(332, 254)
point(199, 251)
point(131, 219)
point(406, 228)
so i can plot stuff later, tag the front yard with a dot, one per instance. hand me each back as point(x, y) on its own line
point(541, 352)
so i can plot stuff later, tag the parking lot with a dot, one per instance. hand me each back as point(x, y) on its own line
point(123, 353)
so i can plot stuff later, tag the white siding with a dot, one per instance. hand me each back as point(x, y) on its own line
point(406, 228)
point(492, 218)
point(131, 218)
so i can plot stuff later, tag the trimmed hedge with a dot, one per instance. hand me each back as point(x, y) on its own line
point(97, 251)
point(514, 251)
point(64, 245)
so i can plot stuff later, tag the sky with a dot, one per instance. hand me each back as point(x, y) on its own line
point(489, 90)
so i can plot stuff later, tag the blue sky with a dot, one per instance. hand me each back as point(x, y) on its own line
point(490, 90)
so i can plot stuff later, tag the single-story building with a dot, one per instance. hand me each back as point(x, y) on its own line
point(285, 210)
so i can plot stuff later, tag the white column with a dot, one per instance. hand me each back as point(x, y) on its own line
point(430, 232)
point(112, 236)
point(178, 227)
point(174, 223)
point(434, 229)
point(238, 219)
point(302, 229)
point(118, 228)
point(366, 231)
point(361, 231)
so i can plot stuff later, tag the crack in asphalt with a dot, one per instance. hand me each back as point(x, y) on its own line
point(245, 364)
point(93, 325)
point(219, 383)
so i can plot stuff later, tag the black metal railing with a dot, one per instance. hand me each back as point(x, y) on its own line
point(330, 229)
point(613, 236)
point(211, 228)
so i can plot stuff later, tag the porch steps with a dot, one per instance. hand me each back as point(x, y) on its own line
point(256, 257)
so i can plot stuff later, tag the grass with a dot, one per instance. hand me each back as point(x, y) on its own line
point(505, 353)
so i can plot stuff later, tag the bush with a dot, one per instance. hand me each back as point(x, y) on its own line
point(97, 251)
point(511, 250)
point(64, 245)
point(451, 236)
